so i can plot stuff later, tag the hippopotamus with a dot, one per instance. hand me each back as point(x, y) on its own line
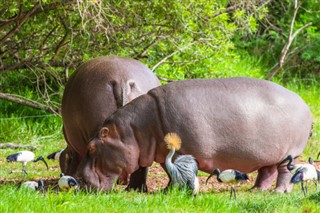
point(233, 123)
point(94, 91)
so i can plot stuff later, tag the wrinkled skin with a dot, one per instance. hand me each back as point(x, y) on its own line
point(237, 123)
point(97, 89)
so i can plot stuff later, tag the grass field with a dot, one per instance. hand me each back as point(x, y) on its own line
point(13, 200)
point(26, 126)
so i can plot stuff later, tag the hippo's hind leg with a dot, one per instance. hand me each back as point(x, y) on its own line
point(265, 178)
point(138, 180)
point(283, 180)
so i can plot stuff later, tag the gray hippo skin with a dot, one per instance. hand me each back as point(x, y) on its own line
point(97, 89)
point(236, 123)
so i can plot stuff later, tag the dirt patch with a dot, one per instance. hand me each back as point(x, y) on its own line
point(156, 181)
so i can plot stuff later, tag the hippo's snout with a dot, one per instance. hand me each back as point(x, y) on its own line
point(93, 176)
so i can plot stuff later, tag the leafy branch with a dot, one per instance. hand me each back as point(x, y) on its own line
point(291, 37)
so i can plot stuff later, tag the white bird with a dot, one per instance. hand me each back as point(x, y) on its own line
point(24, 157)
point(67, 183)
point(183, 172)
point(229, 176)
point(33, 185)
point(306, 173)
point(55, 155)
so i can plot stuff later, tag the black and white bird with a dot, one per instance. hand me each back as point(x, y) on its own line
point(229, 176)
point(67, 183)
point(295, 167)
point(33, 185)
point(184, 170)
point(24, 157)
point(305, 174)
point(55, 155)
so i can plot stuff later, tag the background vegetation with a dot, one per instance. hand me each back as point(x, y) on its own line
point(43, 42)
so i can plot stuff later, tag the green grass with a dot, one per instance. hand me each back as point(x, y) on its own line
point(14, 200)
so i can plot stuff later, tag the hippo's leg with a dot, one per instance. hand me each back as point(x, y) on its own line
point(265, 178)
point(138, 180)
point(283, 180)
point(69, 161)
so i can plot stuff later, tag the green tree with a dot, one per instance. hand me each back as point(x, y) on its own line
point(42, 42)
point(290, 27)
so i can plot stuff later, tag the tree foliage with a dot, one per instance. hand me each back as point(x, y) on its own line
point(273, 33)
point(42, 42)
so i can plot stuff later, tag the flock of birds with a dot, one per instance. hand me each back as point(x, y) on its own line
point(183, 172)
point(65, 182)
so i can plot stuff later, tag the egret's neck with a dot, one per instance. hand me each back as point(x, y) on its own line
point(289, 165)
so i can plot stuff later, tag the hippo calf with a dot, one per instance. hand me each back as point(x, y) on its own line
point(235, 123)
point(97, 89)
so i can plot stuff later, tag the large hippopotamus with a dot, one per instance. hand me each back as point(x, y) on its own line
point(97, 89)
point(234, 123)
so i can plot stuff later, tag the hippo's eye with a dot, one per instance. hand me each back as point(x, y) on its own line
point(91, 148)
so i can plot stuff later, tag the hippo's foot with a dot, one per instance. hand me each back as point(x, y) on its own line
point(138, 180)
point(283, 180)
point(265, 178)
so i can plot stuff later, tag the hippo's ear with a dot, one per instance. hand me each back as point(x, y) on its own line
point(104, 132)
point(132, 87)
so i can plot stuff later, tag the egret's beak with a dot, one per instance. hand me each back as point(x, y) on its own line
point(42, 159)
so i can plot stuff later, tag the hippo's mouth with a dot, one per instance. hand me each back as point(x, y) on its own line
point(94, 178)
point(101, 182)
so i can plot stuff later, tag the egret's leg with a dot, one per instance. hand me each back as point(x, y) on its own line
point(302, 188)
point(23, 171)
point(306, 187)
point(233, 191)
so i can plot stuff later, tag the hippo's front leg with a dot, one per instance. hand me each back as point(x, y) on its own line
point(283, 180)
point(138, 180)
point(265, 178)
point(69, 161)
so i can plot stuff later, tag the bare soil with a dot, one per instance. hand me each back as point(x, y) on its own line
point(156, 181)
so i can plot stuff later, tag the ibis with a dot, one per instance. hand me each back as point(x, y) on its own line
point(24, 157)
point(294, 168)
point(184, 170)
point(230, 176)
point(67, 183)
point(55, 155)
point(33, 185)
point(306, 173)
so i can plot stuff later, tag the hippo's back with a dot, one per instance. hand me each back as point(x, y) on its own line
point(97, 89)
point(244, 122)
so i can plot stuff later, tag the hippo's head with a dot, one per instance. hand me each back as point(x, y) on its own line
point(112, 155)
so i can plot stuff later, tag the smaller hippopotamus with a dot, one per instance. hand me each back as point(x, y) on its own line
point(243, 124)
point(94, 91)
